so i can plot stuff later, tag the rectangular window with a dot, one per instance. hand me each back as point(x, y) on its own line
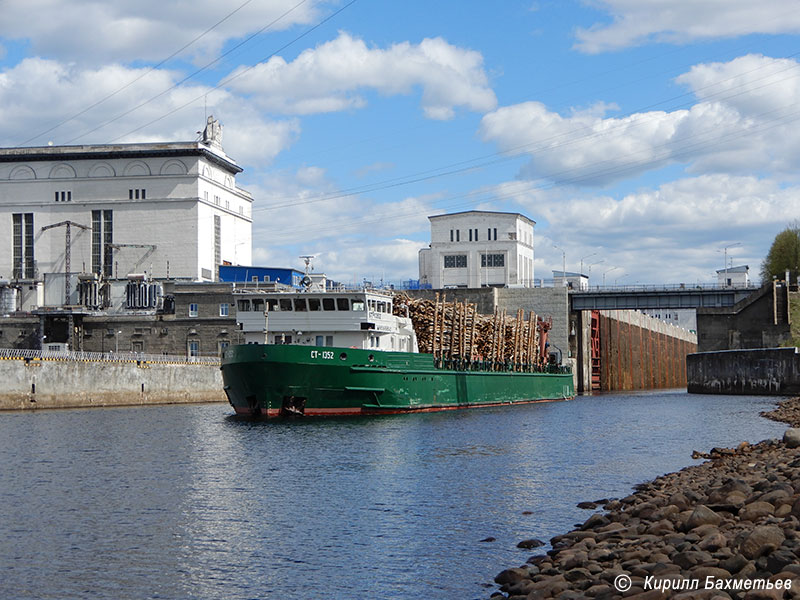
point(222, 346)
point(193, 348)
point(224, 308)
point(328, 304)
point(470, 235)
point(455, 261)
point(218, 244)
point(314, 304)
point(108, 239)
point(343, 304)
point(300, 304)
point(495, 233)
point(97, 242)
point(22, 250)
point(358, 305)
point(329, 340)
point(493, 260)
point(320, 340)
point(285, 304)
point(193, 310)
point(458, 235)
point(258, 304)
point(452, 235)
point(476, 234)
point(244, 305)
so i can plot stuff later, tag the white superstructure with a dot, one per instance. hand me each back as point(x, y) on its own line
point(344, 319)
point(164, 209)
point(478, 249)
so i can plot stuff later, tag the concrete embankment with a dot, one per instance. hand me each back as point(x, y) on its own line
point(724, 529)
point(762, 371)
point(50, 383)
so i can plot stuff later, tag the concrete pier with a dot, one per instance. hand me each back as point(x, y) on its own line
point(32, 383)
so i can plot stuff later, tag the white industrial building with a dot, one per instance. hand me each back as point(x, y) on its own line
point(734, 276)
point(166, 210)
point(478, 248)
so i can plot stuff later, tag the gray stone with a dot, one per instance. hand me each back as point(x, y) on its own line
point(702, 515)
point(791, 437)
point(756, 510)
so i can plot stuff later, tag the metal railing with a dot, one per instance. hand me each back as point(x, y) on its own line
point(128, 357)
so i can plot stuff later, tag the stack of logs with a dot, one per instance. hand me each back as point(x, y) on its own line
point(458, 336)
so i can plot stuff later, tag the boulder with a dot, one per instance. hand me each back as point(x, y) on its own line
point(791, 437)
point(702, 515)
point(762, 540)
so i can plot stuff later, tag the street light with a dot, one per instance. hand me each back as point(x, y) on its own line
point(592, 254)
point(726, 261)
point(607, 271)
point(618, 278)
point(116, 341)
point(563, 264)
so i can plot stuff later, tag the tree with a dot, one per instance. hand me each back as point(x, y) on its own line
point(783, 255)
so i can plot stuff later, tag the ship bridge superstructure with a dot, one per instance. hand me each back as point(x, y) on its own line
point(344, 319)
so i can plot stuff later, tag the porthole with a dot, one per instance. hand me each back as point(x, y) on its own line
point(371, 358)
point(343, 356)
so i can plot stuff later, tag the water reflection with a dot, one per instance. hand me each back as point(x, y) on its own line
point(185, 502)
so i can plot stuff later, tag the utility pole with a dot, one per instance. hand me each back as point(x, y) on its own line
point(68, 224)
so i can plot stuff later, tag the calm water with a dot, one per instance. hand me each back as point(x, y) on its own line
point(187, 502)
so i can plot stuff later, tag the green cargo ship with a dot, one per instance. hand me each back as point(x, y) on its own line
point(329, 353)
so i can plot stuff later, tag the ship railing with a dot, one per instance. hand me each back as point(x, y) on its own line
point(119, 357)
point(455, 364)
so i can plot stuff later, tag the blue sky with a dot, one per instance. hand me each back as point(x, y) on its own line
point(650, 135)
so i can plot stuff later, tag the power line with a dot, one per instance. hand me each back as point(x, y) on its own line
point(187, 78)
point(145, 74)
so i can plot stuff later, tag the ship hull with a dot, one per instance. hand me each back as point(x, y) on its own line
point(284, 380)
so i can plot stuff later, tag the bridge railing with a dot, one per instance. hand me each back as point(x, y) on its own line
point(675, 287)
point(138, 357)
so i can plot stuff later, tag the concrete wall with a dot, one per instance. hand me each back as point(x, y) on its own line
point(639, 352)
point(759, 321)
point(770, 371)
point(36, 384)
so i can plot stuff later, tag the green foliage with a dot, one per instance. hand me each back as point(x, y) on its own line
point(784, 254)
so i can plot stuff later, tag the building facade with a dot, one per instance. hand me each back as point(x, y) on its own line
point(734, 276)
point(476, 249)
point(170, 210)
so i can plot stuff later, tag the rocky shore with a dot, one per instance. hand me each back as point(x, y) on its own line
point(724, 529)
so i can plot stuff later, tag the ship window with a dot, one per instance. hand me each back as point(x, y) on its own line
point(329, 340)
point(258, 305)
point(382, 307)
point(314, 304)
point(244, 305)
point(328, 304)
point(320, 340)
point(285, 304)
point(343, 303)
point(372, 306)
point(272, 303)
point(358, 305)
point(300, 304)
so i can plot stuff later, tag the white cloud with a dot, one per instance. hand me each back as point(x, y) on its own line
point(636, 23)
point(331, 76)
point(92, 32)
point(743, 122)
point(28, 90)
point(674, 233)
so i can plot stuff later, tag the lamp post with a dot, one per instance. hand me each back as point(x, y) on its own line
point(607, 271)
point(592, 254)
point(618, 278)
point(116, 341)
point(563, 264)
point(726, 260)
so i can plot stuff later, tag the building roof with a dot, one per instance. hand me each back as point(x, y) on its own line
point(484, 212)
point(739, 269)
point(568, 274)
point(111, 151)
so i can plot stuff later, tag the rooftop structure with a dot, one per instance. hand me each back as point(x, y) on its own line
point(478, 248)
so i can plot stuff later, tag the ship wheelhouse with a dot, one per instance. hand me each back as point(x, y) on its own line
point(343, 319)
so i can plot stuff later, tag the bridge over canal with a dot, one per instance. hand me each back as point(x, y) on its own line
point(639, 297)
